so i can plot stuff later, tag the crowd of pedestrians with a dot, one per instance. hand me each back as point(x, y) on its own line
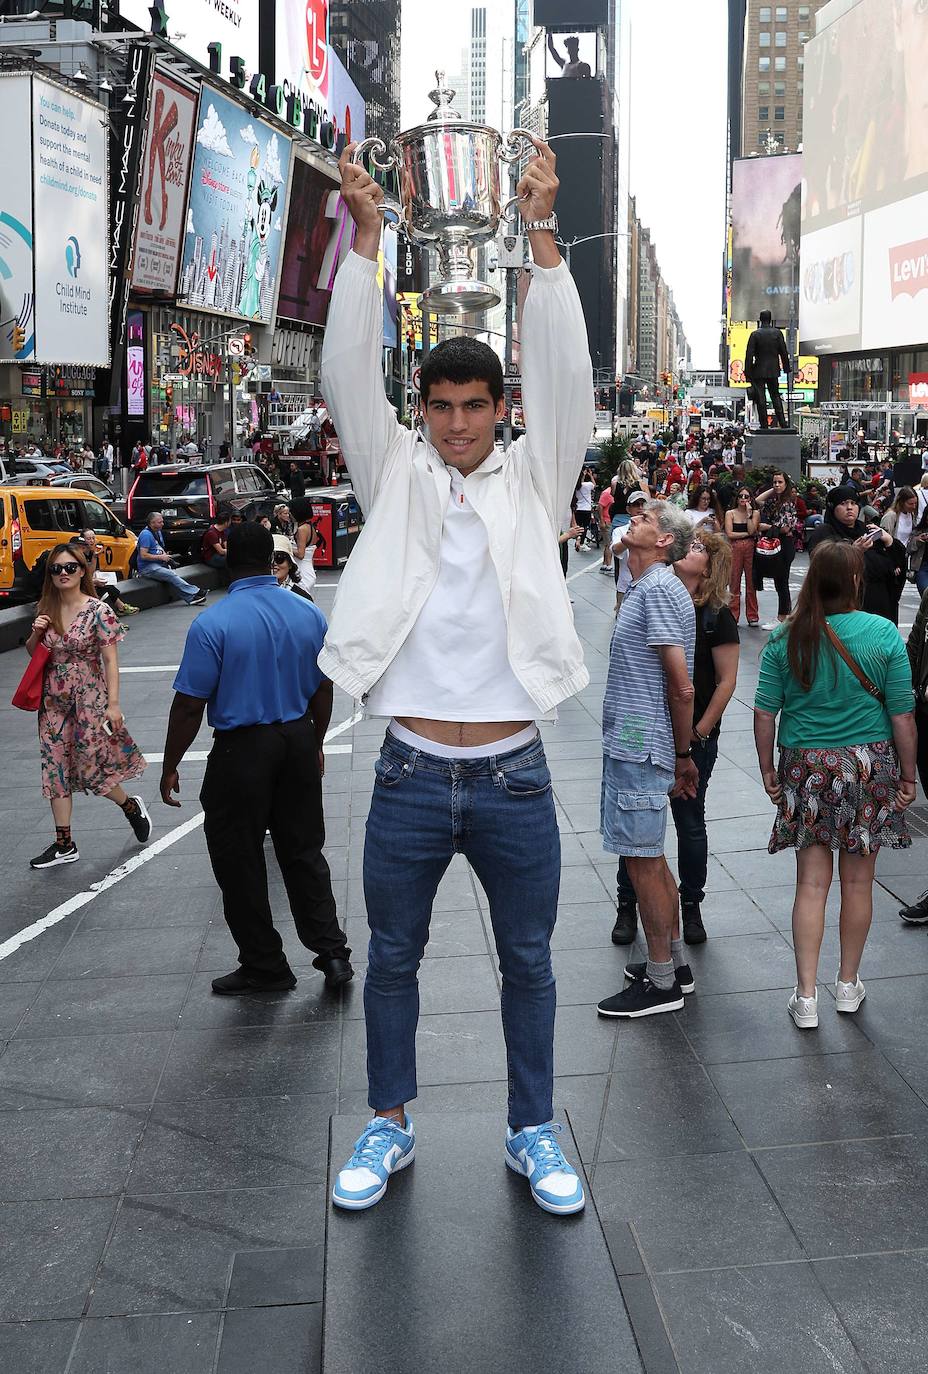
point(453, 623)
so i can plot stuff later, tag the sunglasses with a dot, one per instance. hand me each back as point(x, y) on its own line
point(65, 569)
point(697, 546)
point(281, 558)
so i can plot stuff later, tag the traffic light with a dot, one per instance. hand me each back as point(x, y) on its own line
point(19, 338)
point(249, 343)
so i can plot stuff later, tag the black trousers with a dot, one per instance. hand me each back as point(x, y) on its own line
point(266, 778)
point(759, 390)
point(921, 757)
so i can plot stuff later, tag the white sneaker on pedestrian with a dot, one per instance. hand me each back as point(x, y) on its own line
point(803, 1010)
point(772, 625)
point(848, 996)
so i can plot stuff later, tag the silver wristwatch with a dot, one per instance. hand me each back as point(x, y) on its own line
point(549, 223)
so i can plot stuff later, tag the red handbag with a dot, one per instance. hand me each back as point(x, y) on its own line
point(28, 695)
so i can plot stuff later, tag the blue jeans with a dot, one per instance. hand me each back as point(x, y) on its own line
point(921, 577)
point(159, 573)
point(498, 812)
point(689, 818)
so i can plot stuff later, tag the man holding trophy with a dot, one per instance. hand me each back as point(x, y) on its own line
point(452, 621)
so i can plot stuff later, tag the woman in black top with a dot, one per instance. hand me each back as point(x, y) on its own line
point(884, 556)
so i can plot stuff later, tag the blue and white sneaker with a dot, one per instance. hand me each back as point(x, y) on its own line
point(535, 1153)
point(382, 1149)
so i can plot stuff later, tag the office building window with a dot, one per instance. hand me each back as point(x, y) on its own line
point(763, 113)
point(780, 39)
point(779, 112)
point(763, 64)
point(766, 14)
point(763, 39)
point(782, 14)
point(763, 88)
point(805, 12)
point(800, 62)
point(779, 64)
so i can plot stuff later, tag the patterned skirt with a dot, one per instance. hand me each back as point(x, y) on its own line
point(840, 798)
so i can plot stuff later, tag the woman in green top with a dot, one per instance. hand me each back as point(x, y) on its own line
point(839, 784)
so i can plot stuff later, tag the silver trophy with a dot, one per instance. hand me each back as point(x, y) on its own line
point(449, 176)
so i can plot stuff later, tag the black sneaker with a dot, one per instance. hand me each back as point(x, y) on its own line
point(694, 932)
point(917, 913)
point(626, 925)
point(56, 854)
point(242, 984)
point(198, 600)
point(337, 972)
point(140, 820)
point(684, 975)
point(642, 999)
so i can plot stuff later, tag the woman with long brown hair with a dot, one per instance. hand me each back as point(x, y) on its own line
point(839, 679)
point(83, 740)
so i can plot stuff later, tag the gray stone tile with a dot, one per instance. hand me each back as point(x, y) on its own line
point(36, 1347)
point(584, 1043)
point(33, 961)
point(892, 950)
point(181, 1343)
point(88, 1006)
point(735, 1026)
point(176, 1252)
point(49, 1253)
point(743, 963)
point(275, 1278)
point(252, 1142)
point(852, 1197)
point(453, 1048)
point(15, 1001)
point(123, 953)
point(251, 1062)
point(733, 913)
point(427, 1232)
point(880, 1300)
point(715, 1211)
point(287, 1340)
point(675, 1110)
point(818, 1097)
point(755, 1321)
point(585, 927)
point(308, 1003)
point(103, 1069)
point(123, 909)
point(71, 1152)
point(777, 903)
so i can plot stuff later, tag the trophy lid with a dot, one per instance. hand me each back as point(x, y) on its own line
point(441, 98)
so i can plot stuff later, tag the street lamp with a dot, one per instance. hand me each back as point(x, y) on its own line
point(562, 243)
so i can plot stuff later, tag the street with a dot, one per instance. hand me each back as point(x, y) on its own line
point(164, 1153)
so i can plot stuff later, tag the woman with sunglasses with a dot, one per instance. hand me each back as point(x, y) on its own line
point(285, 568)
point(83, 740)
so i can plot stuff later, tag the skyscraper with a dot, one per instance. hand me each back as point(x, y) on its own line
point(766, 51)
point(366, 36)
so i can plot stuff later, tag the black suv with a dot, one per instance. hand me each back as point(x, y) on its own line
point(189, 497)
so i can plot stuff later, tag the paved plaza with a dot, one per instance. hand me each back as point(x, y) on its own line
point(760, 1194)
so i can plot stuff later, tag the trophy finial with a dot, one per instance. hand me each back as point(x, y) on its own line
point(441, 98)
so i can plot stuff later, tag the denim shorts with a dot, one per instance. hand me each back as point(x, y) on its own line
point(633, 807)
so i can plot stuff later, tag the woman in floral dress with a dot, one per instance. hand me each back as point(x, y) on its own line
point(83, 740)
point(847, 760)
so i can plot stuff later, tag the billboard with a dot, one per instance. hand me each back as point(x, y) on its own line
point(17, 286)
point(135, 365)
point(307, 64)
point(235, 211)
point(866, 179)
point(573, 14)
point(233, 23)
point(804, 382)
point(163, 191)
point(320, 233)
point(765, 215)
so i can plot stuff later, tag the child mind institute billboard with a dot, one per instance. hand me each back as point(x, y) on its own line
point(236, 209)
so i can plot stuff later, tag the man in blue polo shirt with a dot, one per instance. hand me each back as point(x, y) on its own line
point(251, 661)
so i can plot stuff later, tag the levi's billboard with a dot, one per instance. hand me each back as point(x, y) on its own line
point(159, 235)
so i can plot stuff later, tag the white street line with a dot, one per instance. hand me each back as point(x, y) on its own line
point(156, 668)
point(345, 725)
point(81, 899)
point(583, 571)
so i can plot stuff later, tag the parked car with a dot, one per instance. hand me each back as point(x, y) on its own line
point(188, 498)
point(33, 519)
point(96, 487)
point(31, 472)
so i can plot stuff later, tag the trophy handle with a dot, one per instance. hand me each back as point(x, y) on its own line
point(511, 218)
point(376, 147)
point(515, 144)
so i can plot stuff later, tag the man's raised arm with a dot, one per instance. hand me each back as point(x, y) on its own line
point(557, 375)
point(352, 372)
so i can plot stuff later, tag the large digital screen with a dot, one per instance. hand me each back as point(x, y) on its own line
point(582, 14)
point(159, 234)
point(320, 233)
point(17, 286)
point(864, 242)
point(235, 212)
point(766, 196)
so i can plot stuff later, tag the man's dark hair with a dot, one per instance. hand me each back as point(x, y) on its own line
point(223, 514)
point(249, 546)
point(766, 318)
point(462, 360)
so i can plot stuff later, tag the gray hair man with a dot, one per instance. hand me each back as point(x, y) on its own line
point(647, 732)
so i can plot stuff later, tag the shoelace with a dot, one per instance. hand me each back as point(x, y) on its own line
point(371, 1146)
point(545, 1152)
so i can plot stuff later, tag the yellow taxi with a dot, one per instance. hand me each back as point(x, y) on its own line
point(33, 519)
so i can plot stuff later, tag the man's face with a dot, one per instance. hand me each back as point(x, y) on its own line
point(156, 522)
point(644, 533)
point(462, 419)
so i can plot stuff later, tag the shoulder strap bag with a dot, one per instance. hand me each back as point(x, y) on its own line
point(28, 695)
point(868, 686)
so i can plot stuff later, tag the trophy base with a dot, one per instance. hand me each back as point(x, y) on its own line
point(459, 298)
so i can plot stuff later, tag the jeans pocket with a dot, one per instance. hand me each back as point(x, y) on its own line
point(387, 772)
point(531, 781)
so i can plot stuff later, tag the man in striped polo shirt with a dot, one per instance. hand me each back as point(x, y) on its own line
point(647, 733)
